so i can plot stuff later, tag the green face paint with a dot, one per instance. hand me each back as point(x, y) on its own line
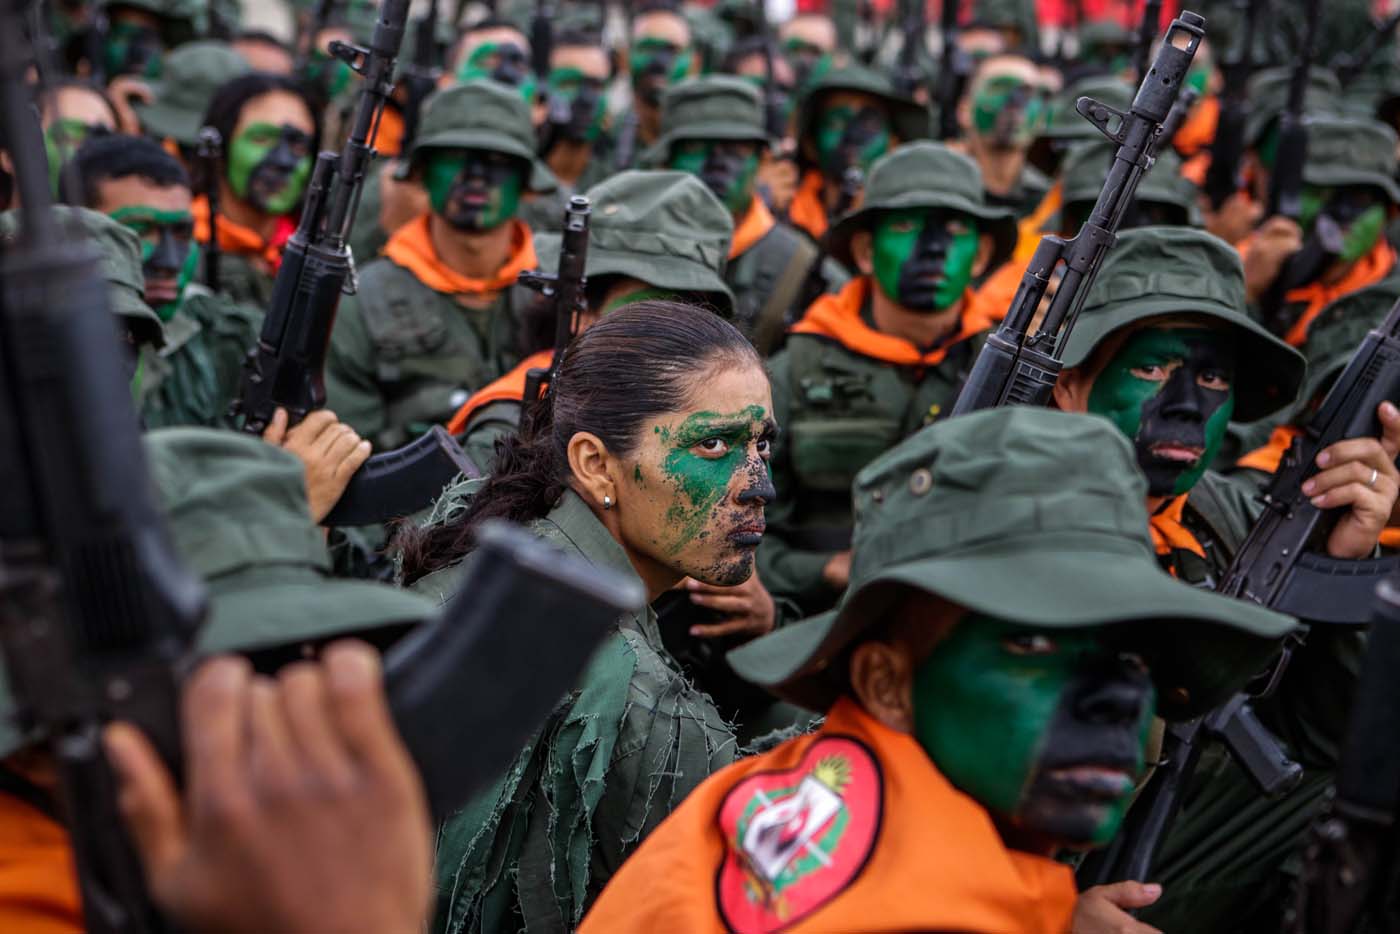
point(655, 64)
point(169, 255)
point(999, 709)
point(1171, 392)
point(586, 101)
point(473, 189)
point(63, 138)
point(503, 62)
point(924, 258)
point(1199, 77)
point(847, 136)
point(809, 63)
point(644, 294)
point(1006, 110)
point(132, 49)
point(329, 72)
point(269, 166)
point(1363, 233)
point(728, 169)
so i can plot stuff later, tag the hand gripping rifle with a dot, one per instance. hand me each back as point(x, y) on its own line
point(1018, 366)
point(287, 366)
point(565, 290)
point(1223, 177)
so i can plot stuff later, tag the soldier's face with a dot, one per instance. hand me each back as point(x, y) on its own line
point(133, 44)
point(578, 93)
point(727, 167)
point(692, 496)
point(851, 129)
point(161, 217)
point(1007, 107)
point(659, 55)
point(502, 56)
point(474, 189)
point(269, 159)
point(1170, 390)
point(70, 117)
point(925, 259)
point(1346, 221)
point(1047, 729)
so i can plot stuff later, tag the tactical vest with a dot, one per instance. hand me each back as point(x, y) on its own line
point(192, 379)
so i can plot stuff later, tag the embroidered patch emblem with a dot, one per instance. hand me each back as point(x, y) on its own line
point(796, 839)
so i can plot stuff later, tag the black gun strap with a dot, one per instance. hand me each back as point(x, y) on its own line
point(17, 786)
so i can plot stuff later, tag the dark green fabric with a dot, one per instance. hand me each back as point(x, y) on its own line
point(190, 76)
point(1088, 164)
point(404, 357)
point(482, 114)
point(1344, 151)
point(617, 755)
point(755, 274)
point(244, 279)
point(1267, 94)
point(712, 107)
point(194, 377)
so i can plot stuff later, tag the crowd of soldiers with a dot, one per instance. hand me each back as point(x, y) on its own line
point(897, 671)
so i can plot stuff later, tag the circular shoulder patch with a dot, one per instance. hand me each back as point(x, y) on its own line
point(795, 839)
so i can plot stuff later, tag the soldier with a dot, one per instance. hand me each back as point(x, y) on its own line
point(1000, 116)
point(872, 364)
point(139, 32)
point(988, 685)
point(662, 474)
point(71, 112)
point(847, 118)
point(434, 318)
point(270, 133)
point(578, 148)
point(192, 75)
point(808, 42)
point(713, 128)
point(498, 50)
point(659, 55)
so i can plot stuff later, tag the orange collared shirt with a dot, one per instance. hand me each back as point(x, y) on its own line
point(1368, 270)
point(1030, 227)
point(411, 247)
point(1198, 132)
point(38, 884)
point(756, 223)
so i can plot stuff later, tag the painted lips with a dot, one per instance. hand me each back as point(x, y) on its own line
point(1099, 782)
point(748, 536)
point(1179, 453)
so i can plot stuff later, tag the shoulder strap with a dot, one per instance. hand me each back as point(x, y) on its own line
point(773, 316)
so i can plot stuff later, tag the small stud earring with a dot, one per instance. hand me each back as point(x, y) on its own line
point(607, 502)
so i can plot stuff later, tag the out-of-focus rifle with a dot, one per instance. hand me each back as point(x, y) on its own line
point(954, 70)
point(564, 289)
point(1147, 34)
point(1019, 364)
point(420, 77)
point(909, 65)
point(1223, 177)
point(1349, 65)
point(210, 170)
point(286, 368)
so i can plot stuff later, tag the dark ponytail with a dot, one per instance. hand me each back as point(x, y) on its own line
point(633, 365)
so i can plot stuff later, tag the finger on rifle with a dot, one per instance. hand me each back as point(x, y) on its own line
point(340, 444)
point(727, 603)
point(276, 430)
point(718, 630)
point(312, 429)
point(1390, 429)
point(355, 678)
point(1361, 452)
point(354, 460)
point(214, 717)
point(1130, 894)
point(148, 798)
point(272, 758)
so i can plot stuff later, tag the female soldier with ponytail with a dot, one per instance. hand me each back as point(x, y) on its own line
point(650, 455)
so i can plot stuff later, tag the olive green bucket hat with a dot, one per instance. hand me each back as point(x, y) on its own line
point(715, 107)
point(1267, 94)
point(237, 512)
point(482, 114)
point(664, 228)
point(1334, 336)
point(190, 77)
point(1350, 151)
point(1033, 516)
point(925, 175)
point(1155, 271)
point(1088, 164)
point(909, 120)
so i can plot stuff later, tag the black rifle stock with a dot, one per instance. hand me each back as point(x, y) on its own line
point(564, 289)
point(908, 72)
point(954, 69)
point(1018, 366)
point(1224, 176)
point(421, 75)
point(210, 171)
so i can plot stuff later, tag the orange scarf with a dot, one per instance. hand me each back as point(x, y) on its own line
point(851, 828)
point(758, 220)
point(510, 386)
point(807, 209)
point(1168, 534)
point(1369, 269)
point(838, 317)
point(1199, 129)
point(243, 241)
point(388, 135)
point(999, 291)
point(1030, 227)
point(38, 885)
point(411, 247)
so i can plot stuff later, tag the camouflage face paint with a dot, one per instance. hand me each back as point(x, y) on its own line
point(328, 72)
point(809, 63)
point(63, 138)
point(473, 189)
point(655, 65)
point(582, 104)
point(645, 294)
point(132, 49)
point(848, 137)
point(169, 255)
point(1171, 392)
point(503, 62)
point(269, 166)
point(1363, 233)
point(729, 169)
point(1047, 730)
point(924, 258)
point(1006, 111)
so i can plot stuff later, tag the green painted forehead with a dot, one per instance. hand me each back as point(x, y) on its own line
point(140, 213)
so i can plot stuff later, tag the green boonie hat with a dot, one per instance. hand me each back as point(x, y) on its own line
point(909, 120)
point(924, 175)
point(482, 114)
point(1267, 93)
point(1034, 516)
point(1155, 271)
point(1350, 151)
point(664, 228)
point(1087, 165)
point(190, 76)
point(186, 11)
point(238, 516)
point(715, 107)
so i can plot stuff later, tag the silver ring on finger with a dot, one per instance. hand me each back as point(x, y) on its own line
point(1374, 474)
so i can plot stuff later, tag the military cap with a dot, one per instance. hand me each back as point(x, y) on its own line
point(909, 120)
point(1088, 164)
point(924, 174)
point(1267, 93)
point(715, 107)
point(482, 114)
point(190, 76)
point(1351, 151)
point(1033, 516)
point(1154, 271)
point(664, 228)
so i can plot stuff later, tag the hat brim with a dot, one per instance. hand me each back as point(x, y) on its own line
point(1043, 584)
point(541, 179)
point(1331, 175)
point(169, 122)
point(1270, 372)
point(1000, 223)
point(658, 154)
point(662, 272)
point(144, 323)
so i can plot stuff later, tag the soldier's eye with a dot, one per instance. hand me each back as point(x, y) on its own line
point(716, 447)
point(1029, 644)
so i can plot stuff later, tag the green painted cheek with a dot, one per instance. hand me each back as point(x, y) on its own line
point(831, 129)
point(243, 157)
point(986, 104)
point(1310, 205)
point(1363, 233)
point(1198, 78)
point(740, 193)
point(504, 202)
point(957, 269)
point(438, 177)
point(689, 158)
point(286, 199)
point(1119, 396)
point(893, 248)
point(700, 483)
point(1216, 427)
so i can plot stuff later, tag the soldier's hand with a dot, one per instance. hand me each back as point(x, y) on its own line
point(330, 450)
point(1274, 242)
point(121, 91)
point(1359, 473)
point(301, 809)
point(749, 607)
point(837, 570)
point(1104, 909)
point(1238, 215)
point(779, 177)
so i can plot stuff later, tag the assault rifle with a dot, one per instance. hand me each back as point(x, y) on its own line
point(1223, 177)
point(286, 368)
point(564, 290)
point(774, 120)
point(954, 69)
point(541, 42)
point(1349, 66)
point(1018, 366)
point(207, 158)
point(909, 66)
point(1147, 32)
point(421, 75)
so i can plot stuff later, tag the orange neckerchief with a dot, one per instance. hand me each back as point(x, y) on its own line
point(239, 240)
point(1199, 129)
point(411, 247)
point(807, 209)
point(1196, 167)
point(1369, 269)
point(38, 886)
point(510, 386)
point(388, 135)
point(1268, 457)
point(758, 220)
point(1168, 534)
point(1030, 227)
point(838, 317)
point(851, 828)
point(999, 290)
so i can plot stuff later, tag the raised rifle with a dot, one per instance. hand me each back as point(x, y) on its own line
point(287, 367)
point(565, 290)
point(207, 158)
point(774, 122)
point(909, 66)
point(1349, 66)
point(1224, 176)
point(420, 77)
point(1019, 364)
point(954, 70)
point(1147, 33)
point(541, 42)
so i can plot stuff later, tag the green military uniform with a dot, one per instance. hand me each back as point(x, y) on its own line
point(617, 755)
point(1224, 864)
point(190, 77)
point(776, 276)
point(404, 355)
point(845, 392)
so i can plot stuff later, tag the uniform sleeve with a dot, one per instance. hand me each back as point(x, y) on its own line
point(351, 391)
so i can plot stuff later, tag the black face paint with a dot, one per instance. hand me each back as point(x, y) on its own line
point(275, 183)
point(857, 142)
point(483, 194)
point(580, 116)
point(1328, 224)
point(918, 277)
point(169, 253)
point(512, 65)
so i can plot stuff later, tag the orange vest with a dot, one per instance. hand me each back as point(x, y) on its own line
point(848, 829)
point(411, 247)
point(239, 240)
point(758, 220)
point(510, 386)
point(838, 317)
point(38, 884)
point(807, 209)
